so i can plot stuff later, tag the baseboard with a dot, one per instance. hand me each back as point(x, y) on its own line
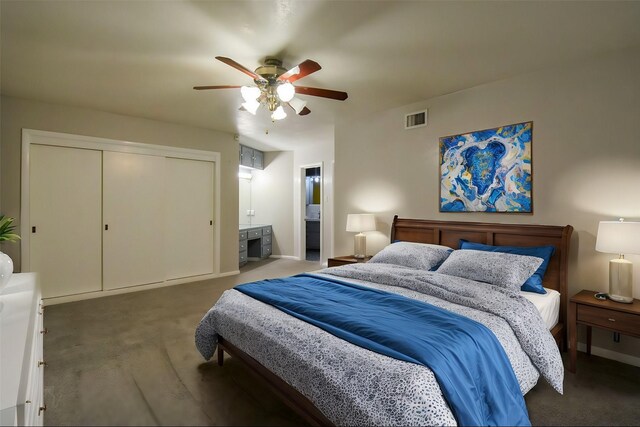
point(130, 289)
point(295, 258)
point(610, 354)
point(229, 273)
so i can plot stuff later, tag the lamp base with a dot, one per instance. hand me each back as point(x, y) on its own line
point(360, 246)
point(621, 280)
point(618, 298)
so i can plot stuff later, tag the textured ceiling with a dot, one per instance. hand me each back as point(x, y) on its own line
point(142, 58)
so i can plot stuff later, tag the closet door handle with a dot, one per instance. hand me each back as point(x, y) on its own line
point(33, 229)
point(106, 227)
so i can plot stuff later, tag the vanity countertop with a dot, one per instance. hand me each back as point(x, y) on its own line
point(248, 226)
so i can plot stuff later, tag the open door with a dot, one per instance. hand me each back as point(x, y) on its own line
point(312, 213)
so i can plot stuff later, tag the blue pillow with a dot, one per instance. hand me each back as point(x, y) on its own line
point(533, 283)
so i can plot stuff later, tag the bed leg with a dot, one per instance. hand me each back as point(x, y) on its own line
point(220, 356)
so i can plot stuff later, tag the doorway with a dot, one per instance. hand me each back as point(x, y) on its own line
point(313, 212)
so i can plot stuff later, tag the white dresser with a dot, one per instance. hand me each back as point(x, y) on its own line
point(21, 362)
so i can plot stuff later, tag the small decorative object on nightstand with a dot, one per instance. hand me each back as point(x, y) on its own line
point(344, 260)
point(587, 310)
point(359, 223)
point(621, 238)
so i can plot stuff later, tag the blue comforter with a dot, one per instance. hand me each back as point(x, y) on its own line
point(469, 363)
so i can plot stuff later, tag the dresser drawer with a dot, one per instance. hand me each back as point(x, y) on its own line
point(266, 240)
point(266, 251)
point(243, 246)
point(243, 235)
point(266, 231)
point(243, 257)
point(621, 322)
point(252, 234)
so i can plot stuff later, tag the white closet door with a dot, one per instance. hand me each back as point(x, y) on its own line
point(133, 209)
point(65, 198)
point(189, 217)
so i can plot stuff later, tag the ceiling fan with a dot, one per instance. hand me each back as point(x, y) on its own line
point(274, 87)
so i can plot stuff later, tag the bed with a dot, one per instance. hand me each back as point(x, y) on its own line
point(320, 376)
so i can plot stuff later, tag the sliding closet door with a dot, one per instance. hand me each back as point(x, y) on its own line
point(65, 199)
point(134, 229)
point(189, 218)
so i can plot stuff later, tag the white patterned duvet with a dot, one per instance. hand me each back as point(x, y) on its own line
point(354, 386)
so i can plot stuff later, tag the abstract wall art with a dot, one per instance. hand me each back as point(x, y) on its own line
point(487, 170)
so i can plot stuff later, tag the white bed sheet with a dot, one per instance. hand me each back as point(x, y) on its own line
point(548, 305)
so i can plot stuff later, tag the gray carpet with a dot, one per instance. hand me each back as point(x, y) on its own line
point(130, 360)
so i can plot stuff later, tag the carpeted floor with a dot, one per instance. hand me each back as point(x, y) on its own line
point(130, 360)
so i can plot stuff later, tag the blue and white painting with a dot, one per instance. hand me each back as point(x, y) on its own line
point(487, 170)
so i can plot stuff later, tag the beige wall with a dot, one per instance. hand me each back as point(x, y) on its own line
point(272, 198)
point(20, 113)
point(586, 160)
point(320, 152)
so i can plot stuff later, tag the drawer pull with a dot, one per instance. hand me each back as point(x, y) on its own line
point(612, 320)
point(44, 331)
point(42, 409)
point(42, 363)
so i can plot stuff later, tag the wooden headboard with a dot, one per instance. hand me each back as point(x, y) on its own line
point(449, 233)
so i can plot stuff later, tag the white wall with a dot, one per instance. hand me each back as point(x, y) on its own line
point(321, 151)
point(21, 113)
point(272, 198)
point(244, 198)
point(586, 160)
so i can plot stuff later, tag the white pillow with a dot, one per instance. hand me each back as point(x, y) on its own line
point(497, 268)
point(414, 255)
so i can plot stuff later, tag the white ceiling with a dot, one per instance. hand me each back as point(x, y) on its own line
point(142, 58)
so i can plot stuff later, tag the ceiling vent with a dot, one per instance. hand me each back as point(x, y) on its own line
point(415, 120)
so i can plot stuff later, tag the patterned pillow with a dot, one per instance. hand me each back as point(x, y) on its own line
point(533, 283)
point(497, 268)
point(414, 255)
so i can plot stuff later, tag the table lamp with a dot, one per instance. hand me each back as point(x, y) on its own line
point(358, 223)
point(621, 238)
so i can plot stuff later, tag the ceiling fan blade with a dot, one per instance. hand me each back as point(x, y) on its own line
point(215, 87)
point(304, 111)
point(324, 93)
point(299, 71)
point(239, 67)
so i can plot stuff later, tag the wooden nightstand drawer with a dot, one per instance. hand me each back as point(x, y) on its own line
point(610, 319)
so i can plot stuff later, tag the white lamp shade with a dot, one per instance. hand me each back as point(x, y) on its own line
point(286, 92)
point(279, 114)
point(250, 93)
point(297, 104)
point(361, 222)
point(617, 237)
point(251, 106)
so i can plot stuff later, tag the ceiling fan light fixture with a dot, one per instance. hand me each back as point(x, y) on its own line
point(297, 104)
point(251, 106)
point(278, 114)
point(286, 92)
point(250, 93)
point(274, 89)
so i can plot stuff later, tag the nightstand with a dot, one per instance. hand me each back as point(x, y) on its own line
point(344, 260)
point(585, 309)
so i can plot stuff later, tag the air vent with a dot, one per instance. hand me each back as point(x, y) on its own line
point(415, 120)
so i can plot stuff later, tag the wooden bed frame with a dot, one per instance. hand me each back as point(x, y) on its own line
point(446, 233)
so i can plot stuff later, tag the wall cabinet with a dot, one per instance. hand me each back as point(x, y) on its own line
point(101, 220)
point(251, 158)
